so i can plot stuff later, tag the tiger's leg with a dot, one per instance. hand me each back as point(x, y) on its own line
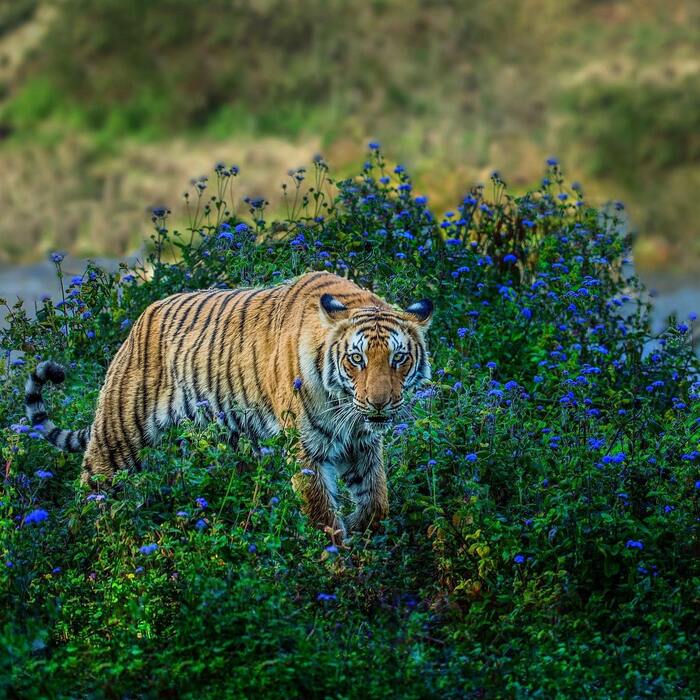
point(112, 447)
point(317, 487)
point(365, 478)
point(124, 412)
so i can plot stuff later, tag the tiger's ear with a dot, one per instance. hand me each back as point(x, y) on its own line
point(331, 310)
point(421, 312)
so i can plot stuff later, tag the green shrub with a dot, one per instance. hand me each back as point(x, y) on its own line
point(543, 536)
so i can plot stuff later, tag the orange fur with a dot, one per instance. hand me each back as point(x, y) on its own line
point(239, 356)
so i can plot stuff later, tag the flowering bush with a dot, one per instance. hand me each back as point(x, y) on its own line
point(545, 501)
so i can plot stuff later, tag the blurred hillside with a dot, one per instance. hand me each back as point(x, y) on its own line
point(109, 106)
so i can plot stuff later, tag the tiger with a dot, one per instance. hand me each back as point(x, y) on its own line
point(318, 354)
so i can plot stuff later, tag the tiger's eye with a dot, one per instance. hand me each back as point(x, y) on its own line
point(399, 357)
point(356, 358)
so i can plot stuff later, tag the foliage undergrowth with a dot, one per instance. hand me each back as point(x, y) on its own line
point(543, 536)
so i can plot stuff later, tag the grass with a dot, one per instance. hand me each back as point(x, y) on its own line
point(543, 537)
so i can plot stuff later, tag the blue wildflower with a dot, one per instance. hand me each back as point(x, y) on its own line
point(201, 524)
point(201, 503)
point(36, 516)
point(519, 559)
point(634, 544)
point(471, 457)
point(326, 596)
point(148, 549)
point(510, 258)
point(426, 393)
point(43, 474)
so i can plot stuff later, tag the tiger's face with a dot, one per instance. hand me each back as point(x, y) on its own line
point(374, 355)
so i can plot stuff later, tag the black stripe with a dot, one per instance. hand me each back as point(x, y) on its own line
point(330, 364)
point(421, 362)
point(318, 361)
point(39, 417)
point(298, 287)
point(106, 442)
point(244, 393)
point(144, 381)
point(33, 398)
point(166, 337)
point(119, 380)
point(352, 478)
point(258, 386)
point(311, 453)
point(138, 422)
point(375, 327)
point(244, 313)
point(310, 416)
point(228, 345)
point(123, 439)
point(183, 337)
point(74, 442)
point(169, 311)
point(212, 345)
point(53, 434)
point(197, 345)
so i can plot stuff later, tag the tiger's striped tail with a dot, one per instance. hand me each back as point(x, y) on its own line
point(68, 440)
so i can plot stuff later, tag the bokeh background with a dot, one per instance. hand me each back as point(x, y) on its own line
point(108, 107)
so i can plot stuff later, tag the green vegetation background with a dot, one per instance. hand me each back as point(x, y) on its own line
point(543, 540)
point(107, 105)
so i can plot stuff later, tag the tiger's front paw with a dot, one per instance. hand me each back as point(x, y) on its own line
point(362, 520)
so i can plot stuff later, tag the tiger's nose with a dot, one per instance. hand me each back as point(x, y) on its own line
point(378, 405)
